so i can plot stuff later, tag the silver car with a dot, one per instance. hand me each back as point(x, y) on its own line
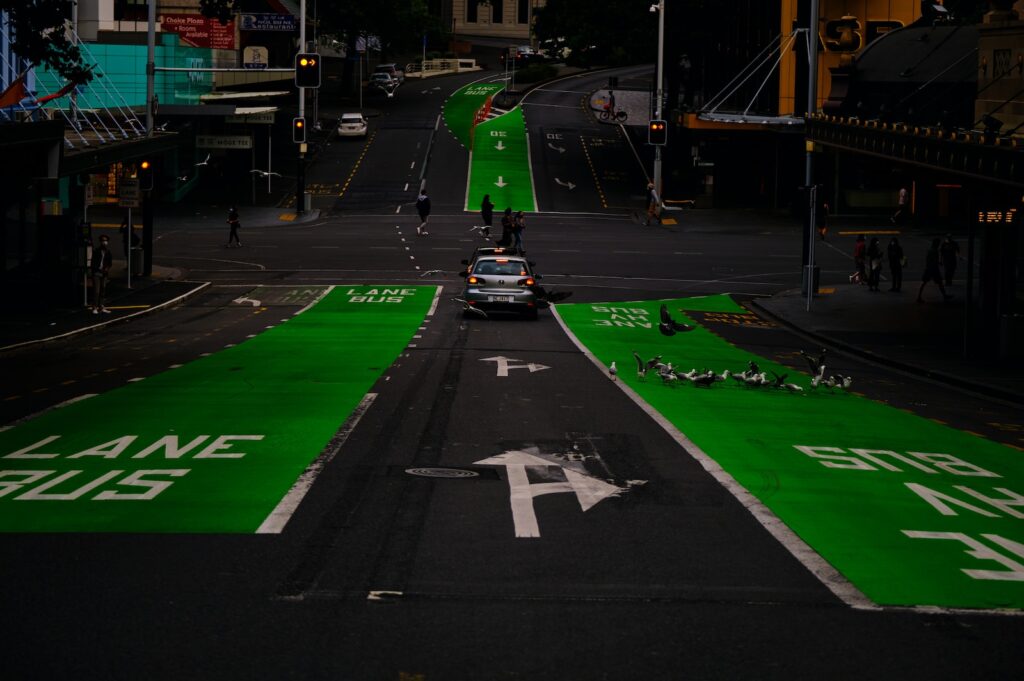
point(502, 284)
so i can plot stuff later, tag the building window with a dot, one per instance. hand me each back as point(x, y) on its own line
point(471, 7)
point(1001, 63)
point(498, 11)
point(524, 12)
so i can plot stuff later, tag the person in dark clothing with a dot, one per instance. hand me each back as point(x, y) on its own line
point(233, 222)
point(859, 255)
point(423, 208)
point(518, 225)
point(874, 256)
point(133, 239)
point(506, 228)
point(950, 252)
point(932, 272)
point(102, 259)
point(895, 254)
point(487, 215)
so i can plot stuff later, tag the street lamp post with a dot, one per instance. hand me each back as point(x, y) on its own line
point(659, 89)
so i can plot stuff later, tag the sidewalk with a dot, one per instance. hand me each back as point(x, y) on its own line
point(925, 339)
point(19, 329)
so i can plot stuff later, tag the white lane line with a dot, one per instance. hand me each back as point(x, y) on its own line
point(136, 380)
point(412, 165)
point(316, 300)
point(398, 209)
point(566, 250)
point(282, 513)
point(433, 304)
point(175, 366)
point(59, 405)
point(552, 106)
point(406, 188)
point(205, 354)
point(326, 246)
point(831, 578)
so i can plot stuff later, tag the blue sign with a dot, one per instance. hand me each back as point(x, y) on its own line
point(268, 22)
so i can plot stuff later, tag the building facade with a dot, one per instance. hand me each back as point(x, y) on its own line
point(510, 21)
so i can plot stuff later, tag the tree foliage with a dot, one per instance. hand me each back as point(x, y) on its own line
point(38, 30)
point(612, 32)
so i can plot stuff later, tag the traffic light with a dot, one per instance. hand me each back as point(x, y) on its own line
point(145, 175)
point(657, 133)
point(307, 70)
point(299, 130)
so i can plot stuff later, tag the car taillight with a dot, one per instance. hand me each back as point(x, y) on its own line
point(474, 280)
point(527, 282)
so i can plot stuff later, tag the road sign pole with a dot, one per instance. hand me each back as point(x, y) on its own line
point(300, 172)
point(128, 254)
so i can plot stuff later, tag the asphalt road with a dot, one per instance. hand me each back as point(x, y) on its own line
point(385, 575)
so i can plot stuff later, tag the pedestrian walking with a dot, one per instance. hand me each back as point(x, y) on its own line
point(653, 204)
point(897, 261)
point(932, 272)
point(874, 255)
point(102, 259)
point(901, 206)
point(487, 215)
point(950, 252)
point(423, 208)
point(506, 228)
point(859, 255)
point(518, 225)
point(234, 223)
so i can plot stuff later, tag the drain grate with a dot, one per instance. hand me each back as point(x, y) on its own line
point(441, 472)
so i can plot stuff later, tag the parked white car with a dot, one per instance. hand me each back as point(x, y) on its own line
point(352, 125)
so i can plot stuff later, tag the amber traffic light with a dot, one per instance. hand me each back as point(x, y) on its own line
point(307, 70)
point(299, 130)
point(657, 132)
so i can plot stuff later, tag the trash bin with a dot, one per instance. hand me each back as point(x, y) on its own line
point(307, 202)
point(137, 261)
point(816, 279)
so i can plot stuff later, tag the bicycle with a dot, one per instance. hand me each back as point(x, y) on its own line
point(619, 116)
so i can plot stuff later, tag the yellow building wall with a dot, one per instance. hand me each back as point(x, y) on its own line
point(844, 28)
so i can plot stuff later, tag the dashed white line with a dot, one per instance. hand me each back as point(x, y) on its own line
point(136, 380)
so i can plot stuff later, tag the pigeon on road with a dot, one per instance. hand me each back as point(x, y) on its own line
point(613, 371)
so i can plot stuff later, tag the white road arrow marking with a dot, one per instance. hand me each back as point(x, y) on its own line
point(570, 185)
point(501, 182)
point(504, 367)
point(560, 150)
point(500, 146)
point(243, 299)
point(589, 490)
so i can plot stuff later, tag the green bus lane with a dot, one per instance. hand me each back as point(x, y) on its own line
point(500, 164)
point(214, 445)
point(910, 511)
point(460, 110)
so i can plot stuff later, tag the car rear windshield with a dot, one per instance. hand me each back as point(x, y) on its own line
point(511, 267)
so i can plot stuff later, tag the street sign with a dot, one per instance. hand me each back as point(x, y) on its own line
point(268, 22)
point(256, 118)
point(254, 57)
point(223, 142)
point(129, 193)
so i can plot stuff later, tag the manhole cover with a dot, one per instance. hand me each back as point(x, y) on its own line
point(442, 472)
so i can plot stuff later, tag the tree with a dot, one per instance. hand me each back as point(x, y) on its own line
point(39, 37)
point(614, 32)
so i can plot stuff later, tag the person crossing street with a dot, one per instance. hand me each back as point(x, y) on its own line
point(423, 208)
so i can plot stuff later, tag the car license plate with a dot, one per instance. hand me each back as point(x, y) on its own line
point(499, 299)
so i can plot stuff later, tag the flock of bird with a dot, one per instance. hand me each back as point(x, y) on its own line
point(752, 376)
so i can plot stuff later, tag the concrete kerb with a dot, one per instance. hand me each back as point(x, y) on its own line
point(200, 286)
point(981, 390)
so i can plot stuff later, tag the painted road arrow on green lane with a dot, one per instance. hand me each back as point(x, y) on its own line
point(910, 511)
point(499, 164)
point(215, 445)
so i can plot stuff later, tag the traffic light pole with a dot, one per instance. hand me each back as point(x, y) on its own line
point(300, 171)
point(659, 95)
point(812, 106)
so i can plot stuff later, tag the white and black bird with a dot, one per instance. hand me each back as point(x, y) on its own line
point(704, 380)
point(641, 367)
point(613, 371)
point(430, 273)
point(792, 387)
point(723, 376)
point(752, 367)
point(777, 381)
point(466, 307)
point(669, 326)
point(205, 161)
point(162, 127)
point(484, 230)
point(265, 173)
point(815, 363)
point(183, 178)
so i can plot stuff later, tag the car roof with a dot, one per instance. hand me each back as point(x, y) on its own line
point(351, 116)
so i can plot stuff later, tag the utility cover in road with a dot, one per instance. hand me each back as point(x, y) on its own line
point(212, 446)
point(910, 511)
